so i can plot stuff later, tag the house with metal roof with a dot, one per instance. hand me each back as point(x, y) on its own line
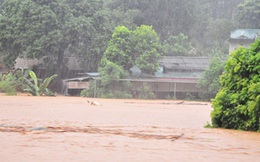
point(242, 37)
point(177, 76)
point(183, 67)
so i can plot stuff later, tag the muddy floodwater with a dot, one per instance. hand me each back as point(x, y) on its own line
point(71, 129)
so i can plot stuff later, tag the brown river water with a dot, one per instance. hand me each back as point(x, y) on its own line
point(71, 129)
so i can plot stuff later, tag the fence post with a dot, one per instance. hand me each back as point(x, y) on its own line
point(174, 90)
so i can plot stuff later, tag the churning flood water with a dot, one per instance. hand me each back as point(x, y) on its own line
point(70, 129)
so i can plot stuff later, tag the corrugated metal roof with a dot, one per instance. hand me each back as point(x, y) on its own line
point(163, 80)
point(185, 63)
point(245, 34)
point(180, 74)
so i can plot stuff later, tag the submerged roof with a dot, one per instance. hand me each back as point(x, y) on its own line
point(245, 34)
point(185, 63)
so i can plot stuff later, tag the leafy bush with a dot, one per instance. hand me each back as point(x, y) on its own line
point(210, 78)
point(146, 92)
point(96, 89)
point(190, 96)
point(115, 94)
point(86, 93)
point(20, 79)
point(38, 89)
point(13, 82)
point(8, 83)
point(178, 45)
point(91, 91)
point(237, 105)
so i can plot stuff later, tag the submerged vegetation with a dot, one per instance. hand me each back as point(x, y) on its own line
point(37, 89)
point(8, 84)
point(19, 81)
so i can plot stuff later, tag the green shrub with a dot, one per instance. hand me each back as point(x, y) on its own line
point(237, 105)
point(122, 95)
point(115, 94)
point(146, 92)
point(21, 75)
point(36, 88)
point(8, 84)
point(108, 94)
point(91, 91)
point(190, 96)
point(13, 82)
point(85, 93)
point(114, 90)
point(210, 78)
point(170, 97)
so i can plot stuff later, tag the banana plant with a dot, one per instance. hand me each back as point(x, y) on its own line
point(38, 89)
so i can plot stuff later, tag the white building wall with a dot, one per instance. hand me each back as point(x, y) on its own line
point(236, 43)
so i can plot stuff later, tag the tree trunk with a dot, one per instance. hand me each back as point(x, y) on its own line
point(59, 68)
point(59, 63)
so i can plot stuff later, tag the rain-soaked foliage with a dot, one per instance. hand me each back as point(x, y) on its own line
point(68, 37)
point(237, 104)
point(56, 31)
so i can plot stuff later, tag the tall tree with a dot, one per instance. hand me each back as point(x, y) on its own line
point(127, 48)
point(93, 41)
point(177, 46)
point(224, 9)
point(118, 50)
point(218, 34)
point(210, 78)
point(145, 49)
point(214, 22)
point(168, 17)
point(248, 14)
point(39, 28)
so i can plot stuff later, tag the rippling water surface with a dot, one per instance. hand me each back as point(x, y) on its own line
point(70, 129)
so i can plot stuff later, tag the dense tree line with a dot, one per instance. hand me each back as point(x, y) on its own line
point(83, 28)
point(111, 36)
point(49, 29)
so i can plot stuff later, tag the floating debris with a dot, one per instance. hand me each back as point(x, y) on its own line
point(94, 103)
